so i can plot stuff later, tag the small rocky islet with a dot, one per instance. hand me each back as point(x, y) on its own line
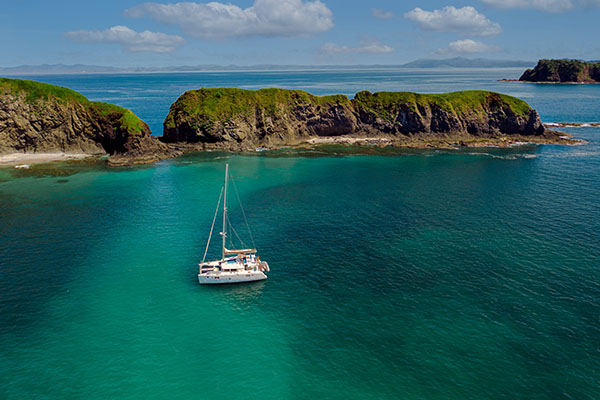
point(39, 117)
point(563, 71)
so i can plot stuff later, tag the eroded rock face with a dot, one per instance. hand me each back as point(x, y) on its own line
point(232, 118)
point(36, 117)
point(45, 127)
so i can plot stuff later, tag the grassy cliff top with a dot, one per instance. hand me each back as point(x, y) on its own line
point(40, 91)
point(462, 102)
point(36, 92)
point(223, 103)
point(554, 64)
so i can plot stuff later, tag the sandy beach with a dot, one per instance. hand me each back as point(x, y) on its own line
point(23, 160)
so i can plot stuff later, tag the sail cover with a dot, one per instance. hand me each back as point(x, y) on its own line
point(239, 251)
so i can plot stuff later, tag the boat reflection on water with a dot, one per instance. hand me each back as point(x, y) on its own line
point(251, 291)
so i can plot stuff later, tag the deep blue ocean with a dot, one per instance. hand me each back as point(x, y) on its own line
point(412, 274)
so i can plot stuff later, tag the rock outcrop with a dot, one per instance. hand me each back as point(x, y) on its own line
point(37, 117)
point(563, 71)
point(238, 119)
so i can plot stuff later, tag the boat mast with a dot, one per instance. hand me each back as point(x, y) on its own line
point(224, 233)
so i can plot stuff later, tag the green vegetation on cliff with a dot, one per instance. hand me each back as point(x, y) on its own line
point(563, 71)
point(128, 121)
point(224, 103)
point(383, 104)
point(38, 91)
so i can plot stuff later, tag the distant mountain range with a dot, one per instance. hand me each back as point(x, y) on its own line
point(59, 69)
point(52, 69)
point(462, 62)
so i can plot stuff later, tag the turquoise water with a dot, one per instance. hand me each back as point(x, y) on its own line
point(468, 274)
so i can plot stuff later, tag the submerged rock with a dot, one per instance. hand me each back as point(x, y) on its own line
point(239, 119)
point(37, 117)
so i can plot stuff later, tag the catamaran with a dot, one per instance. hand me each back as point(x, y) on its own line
point(235, 266)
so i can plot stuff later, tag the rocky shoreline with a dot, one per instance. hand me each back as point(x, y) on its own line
point(571, 124)
point(444, 143)
point(559, 138)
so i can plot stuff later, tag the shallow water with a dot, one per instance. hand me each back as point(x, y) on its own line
point(455, 274)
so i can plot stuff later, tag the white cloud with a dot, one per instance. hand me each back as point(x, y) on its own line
point(214, 21)
point(466, 20)
point(467, 46)
point(373, 47)
point(382, 14)
point(551, 6)
point(543, 5)
point(146, 41)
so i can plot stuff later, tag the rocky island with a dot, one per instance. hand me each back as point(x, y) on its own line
point(239, 120)
point(37, 117)
point(563, 71)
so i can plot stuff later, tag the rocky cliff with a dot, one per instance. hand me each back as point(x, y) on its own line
point(238, 119)
point(37, 117)
point(563, 71)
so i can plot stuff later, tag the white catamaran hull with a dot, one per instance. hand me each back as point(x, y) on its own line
point(235, 266)
point(220, 278)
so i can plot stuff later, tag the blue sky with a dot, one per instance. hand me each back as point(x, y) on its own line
point(245, 32)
